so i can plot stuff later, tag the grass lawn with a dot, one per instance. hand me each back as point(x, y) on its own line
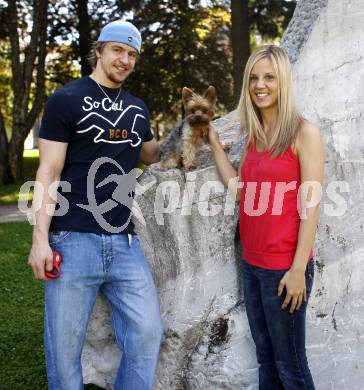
point(22, 364)
point(9, 193)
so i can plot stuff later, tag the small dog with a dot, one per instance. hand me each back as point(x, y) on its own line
point(188, 138)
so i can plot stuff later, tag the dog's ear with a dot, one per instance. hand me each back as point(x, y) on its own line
point(210, 95)
point(187, 94)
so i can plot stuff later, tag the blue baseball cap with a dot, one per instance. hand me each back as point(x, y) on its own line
point(123, 32)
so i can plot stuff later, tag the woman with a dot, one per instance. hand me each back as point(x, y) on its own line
point(277, 224)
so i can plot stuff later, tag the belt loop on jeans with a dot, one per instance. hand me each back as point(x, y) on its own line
point(130, 237)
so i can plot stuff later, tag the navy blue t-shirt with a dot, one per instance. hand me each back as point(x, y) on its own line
point(104, 144)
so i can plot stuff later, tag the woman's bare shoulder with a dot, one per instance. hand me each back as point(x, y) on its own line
point(308, 136)
point(308, 129)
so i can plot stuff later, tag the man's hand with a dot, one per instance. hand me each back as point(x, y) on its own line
point(41, 260)
point(295, 283)
point(150, 152)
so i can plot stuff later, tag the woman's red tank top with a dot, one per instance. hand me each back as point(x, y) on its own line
point(269, 217)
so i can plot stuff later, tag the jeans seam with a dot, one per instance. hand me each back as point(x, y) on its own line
point(296, 355)
point(53, 368)
point(123, 343)
point(111, 257)
point(114, 323)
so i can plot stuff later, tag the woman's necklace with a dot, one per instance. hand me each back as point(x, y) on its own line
point(114, 106)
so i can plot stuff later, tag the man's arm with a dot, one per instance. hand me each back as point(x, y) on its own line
point(52, 157)
point(150, 152)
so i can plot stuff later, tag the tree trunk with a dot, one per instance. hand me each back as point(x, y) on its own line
point(4, 145)
point(84, 29)
point(16, 149)
point(240, 39)
point(156, 130)
point(31, 70)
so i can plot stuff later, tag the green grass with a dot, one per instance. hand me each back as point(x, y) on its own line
point(22, 364)
point(9, 193)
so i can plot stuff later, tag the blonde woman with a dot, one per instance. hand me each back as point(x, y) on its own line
point(281, 174)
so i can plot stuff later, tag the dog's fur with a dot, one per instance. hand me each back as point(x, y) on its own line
point(188, 138)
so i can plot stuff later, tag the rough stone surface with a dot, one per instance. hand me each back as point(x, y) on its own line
point(301, 25)
point(194, 259)
point(329, 84)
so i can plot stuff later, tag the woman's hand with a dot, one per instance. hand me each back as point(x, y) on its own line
point(213, 137)
point(295, 283)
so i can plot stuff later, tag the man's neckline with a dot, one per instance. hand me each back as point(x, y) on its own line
point(104, 86)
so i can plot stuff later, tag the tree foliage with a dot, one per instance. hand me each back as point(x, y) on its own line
point(270, 18)
point(264, 19)
point(26, 25)
point(187, 46)
point(184, 44)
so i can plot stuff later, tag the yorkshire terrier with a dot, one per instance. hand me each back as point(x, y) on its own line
point(188, 139)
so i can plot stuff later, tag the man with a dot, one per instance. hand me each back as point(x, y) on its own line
point(92, 136)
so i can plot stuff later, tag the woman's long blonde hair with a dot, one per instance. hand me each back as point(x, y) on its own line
point(289, 120)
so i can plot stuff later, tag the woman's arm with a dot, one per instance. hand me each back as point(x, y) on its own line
point(311, 155)
point(228, 173)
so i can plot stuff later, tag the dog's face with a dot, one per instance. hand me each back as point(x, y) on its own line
point(199, 109)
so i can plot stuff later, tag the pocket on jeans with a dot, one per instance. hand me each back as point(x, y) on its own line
point(58, 236)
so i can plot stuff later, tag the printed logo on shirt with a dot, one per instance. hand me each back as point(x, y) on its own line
point(107, 130)
point(118, 133)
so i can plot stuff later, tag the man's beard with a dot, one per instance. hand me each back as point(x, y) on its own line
point(114, 79)
point(111, 77)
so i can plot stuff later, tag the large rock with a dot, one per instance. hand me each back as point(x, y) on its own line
point(190, 234)
point(329, 83)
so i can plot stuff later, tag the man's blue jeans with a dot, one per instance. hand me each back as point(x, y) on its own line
point(278, 335)
point(105, 263)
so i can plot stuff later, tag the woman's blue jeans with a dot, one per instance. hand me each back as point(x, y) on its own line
point(105, 263)
point(278, 335)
